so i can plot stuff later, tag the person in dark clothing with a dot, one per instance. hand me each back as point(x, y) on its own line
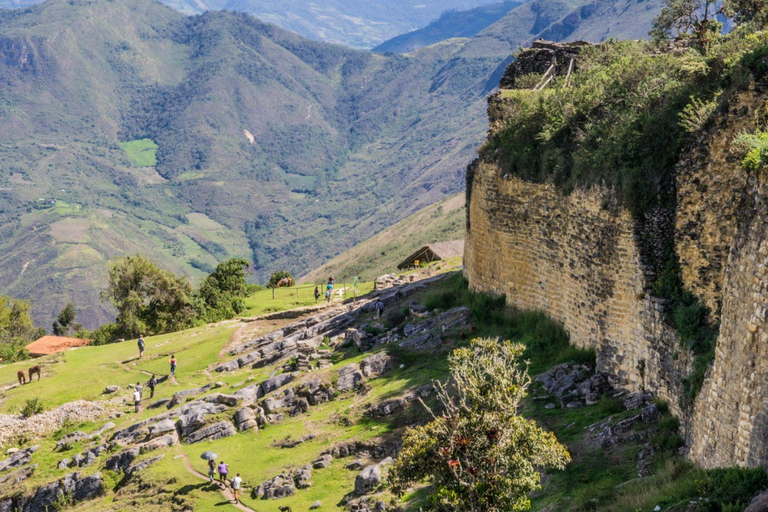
point(211, 469)
point(151, 385)
point(317, 294)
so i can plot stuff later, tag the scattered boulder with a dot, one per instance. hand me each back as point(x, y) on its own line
point(280, 486)
point(316, 505)
point(274, 383)
point(141, 466)
point(355, 465)
point(637, 400)
point(368, 480)
point(350, 378)
point(323, 461)
point(121, 461)
point(245, 419)
point(19, 475)
point(162, 427)
point(376, 365)
point(165, 441)
point(111, 389)
point(291, 443)
point(19, 458)
point(303, 477)
point(211, 432)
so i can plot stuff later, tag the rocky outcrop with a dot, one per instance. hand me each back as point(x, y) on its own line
point(44, 498)
point(212, 432)
point(542, 55)
point(370, 478)
point(284, 485)
point(350, 378)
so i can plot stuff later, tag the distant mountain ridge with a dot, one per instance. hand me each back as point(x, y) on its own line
point(451, 24)
point(269, 146)
point(354, 23)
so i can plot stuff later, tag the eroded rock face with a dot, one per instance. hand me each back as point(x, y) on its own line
point(19, 458)
point(368, 480)
point(121, 461)
point(212, 432)
point(350, 377)
point(275, 382)
point(376, 365)
point(245, 419)
point(46, 496)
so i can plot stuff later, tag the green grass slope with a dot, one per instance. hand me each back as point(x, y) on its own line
point(600, 478)
point(441, 222)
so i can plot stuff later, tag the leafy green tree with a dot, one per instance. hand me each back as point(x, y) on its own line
point(15, 321)
point(479, 454)
point(221, 293)
point(148, 299)
point(747, 11)
point(65, 324)
point(688, 19)
point(278, 276)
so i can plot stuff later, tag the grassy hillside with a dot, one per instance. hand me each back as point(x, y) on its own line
point(602, 477)
point(441, 222)
point(451, 24)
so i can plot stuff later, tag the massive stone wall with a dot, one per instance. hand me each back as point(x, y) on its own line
point(579, 261)
point(572, 258)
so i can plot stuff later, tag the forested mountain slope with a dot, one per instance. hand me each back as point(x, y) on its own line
point(268, 146)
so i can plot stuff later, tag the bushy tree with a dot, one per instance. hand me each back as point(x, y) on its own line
point(16, 329)
point(221, 293)
point(65, 324)
point(479, 454)
point(148, 299)
point(747, 11)
point(688, 19)
point(15, 321)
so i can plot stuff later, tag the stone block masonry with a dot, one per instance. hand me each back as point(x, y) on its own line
point(581, 263)
point(578, 262)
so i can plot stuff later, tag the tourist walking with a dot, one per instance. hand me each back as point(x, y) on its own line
point(223, 470)
point(236, 482)
point(141, 346)
point(136, 399)
point(328, 295)
point(173, 365)
point(379, 306)
point(140, 390)
point(211, 469)
point(151, 385)
point(317, 294)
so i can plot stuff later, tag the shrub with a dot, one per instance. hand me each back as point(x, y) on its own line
point(31, 407)
point(755, 149)
point(480, 454)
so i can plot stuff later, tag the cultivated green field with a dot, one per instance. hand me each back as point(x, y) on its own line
point(142, 152)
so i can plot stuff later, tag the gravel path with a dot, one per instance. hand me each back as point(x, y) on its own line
point(48, 421)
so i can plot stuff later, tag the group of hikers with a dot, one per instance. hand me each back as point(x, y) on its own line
point(328, 290)
point(223, 470)
point(138, 390)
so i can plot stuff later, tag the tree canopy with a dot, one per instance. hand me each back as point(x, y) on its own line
point(148, 299)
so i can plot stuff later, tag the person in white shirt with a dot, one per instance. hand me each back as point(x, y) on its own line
point(236, 482)
point(136, 399)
